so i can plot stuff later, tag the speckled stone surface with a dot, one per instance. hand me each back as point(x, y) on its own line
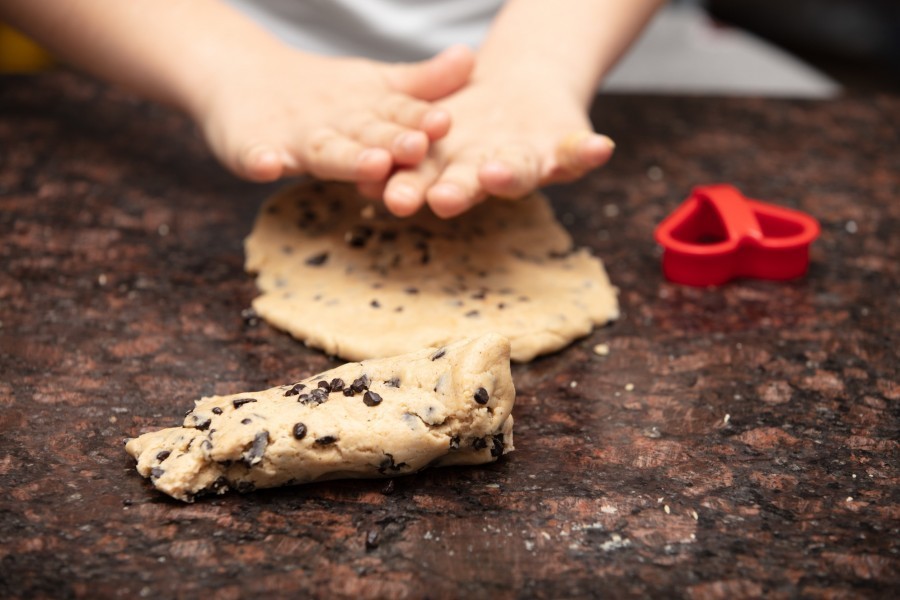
point(734, 442)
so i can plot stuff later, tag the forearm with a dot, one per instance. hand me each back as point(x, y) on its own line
point(570, 43)
point(169, 51)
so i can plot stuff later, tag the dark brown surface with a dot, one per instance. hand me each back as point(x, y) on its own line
point(756, 454)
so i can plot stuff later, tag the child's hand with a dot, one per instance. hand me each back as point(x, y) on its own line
point(289, 113)
point(506, 140)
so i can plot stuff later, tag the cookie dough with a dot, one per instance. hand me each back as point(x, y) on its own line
point(345, 276)
point(440, 406)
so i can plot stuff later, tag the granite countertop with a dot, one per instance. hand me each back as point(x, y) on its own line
point(734, 442)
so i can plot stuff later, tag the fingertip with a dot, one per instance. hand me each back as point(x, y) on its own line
point(436, 123)
point(459, 52)
point(402, 199)
point(261, 163)
point(409, 148)
point(595, 150)
point(373, 164)
point(495, 176)
point(447, 200)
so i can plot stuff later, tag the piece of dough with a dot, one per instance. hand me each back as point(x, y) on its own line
point(345, 276)
point(378, 418)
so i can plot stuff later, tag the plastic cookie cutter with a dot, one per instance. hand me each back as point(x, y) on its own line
point(717, 235)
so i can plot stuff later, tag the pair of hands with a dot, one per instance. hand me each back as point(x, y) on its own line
point(388, 128)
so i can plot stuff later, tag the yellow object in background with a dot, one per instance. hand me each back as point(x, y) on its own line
point(18, 54)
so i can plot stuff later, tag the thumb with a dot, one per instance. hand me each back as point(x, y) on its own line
point(436, 77)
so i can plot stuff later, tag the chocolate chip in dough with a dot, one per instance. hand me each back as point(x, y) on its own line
point(299, 431)
point(317, 260)
point(239, 402)
point(371, 398)
point(482, 396)
point(258, 449)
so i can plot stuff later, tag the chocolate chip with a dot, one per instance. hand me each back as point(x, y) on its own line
point(497, 449)
point(348, 391)
point(216, 410)
point(472, 313)
point(317, 260)
point(358, 236)
point(501, 306)
point(163, 455)
point(324, 385)
point(295, 390)
point(371, 399)
point(239, 402)
point(258, 449)
point(439, 354)
point(156, 472)
point(482, 396)
point(479, 295)
point(360, 384)
point(202, 425)
point(317, 396)
point(411, 290)
point(454, 442)
point(375, 304)
point(325, 440)
point(246, 421)
point(394, 382)
point(479, 443)
point(299, 431)
point(337, 385)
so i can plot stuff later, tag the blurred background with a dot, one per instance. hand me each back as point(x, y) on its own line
point(793, 48)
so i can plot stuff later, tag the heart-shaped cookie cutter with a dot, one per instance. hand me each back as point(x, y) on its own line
point(717, 235)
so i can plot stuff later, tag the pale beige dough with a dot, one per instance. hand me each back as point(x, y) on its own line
point(345, 276)
point(439, 406)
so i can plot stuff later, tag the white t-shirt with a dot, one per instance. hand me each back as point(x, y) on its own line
point(387, 30)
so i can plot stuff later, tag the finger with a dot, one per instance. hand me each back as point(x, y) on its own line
point(259, 162)
point(434, 78)
point(407, 147)
point(514, 172)
point(404, 194)
point(415, 114)
point(457, 189)
point(580, 152)
point(330, 155)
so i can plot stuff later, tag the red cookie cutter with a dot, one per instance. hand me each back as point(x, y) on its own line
point(717, 235)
